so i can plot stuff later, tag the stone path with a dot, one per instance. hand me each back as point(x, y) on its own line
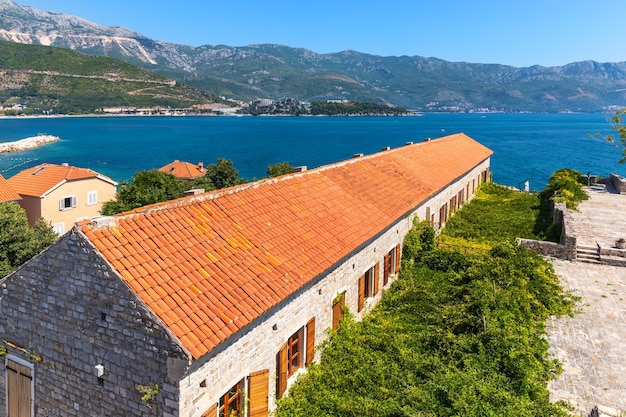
point(592, 345)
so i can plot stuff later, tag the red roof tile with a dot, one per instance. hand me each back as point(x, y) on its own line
point(184, 170)
point(224, 258)
point(7, 193)
point(41, 179)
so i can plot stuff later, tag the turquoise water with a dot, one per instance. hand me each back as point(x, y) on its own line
point(526, 146)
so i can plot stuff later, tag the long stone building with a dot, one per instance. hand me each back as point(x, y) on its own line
point(213, 304)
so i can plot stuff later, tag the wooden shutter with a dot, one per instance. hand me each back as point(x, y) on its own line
point(338, 309)
point(361, 299)
point(376, 277)
point(387, 269)
point(19, 388)
point(398, 257)
point(259, 392)
point(211, 412)
point(281, 371)
point(310, 341)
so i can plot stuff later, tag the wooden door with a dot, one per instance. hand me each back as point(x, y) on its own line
point(19, 389)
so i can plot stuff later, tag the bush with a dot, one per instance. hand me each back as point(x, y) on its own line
point(566, 186)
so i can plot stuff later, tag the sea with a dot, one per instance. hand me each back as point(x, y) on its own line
point(527, 147)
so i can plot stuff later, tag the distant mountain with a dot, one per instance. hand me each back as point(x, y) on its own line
point(277, 71)
point(64, 81)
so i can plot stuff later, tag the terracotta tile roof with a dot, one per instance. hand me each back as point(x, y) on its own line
point(42, 179)
point(6, 192)
point(184, 170)
point(208, 265)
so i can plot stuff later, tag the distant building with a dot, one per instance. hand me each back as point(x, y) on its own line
point(218, 299)
point(62, 194)
point(184, 170)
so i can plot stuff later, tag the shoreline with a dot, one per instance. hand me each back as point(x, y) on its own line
point(27, 143)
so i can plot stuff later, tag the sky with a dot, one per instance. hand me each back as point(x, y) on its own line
point(517, 33)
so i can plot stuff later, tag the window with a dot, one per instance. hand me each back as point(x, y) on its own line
point(59, 228)
point(293, 355)
point(19, 388)
point(392, 264)
point(339, 306)
point(368, 285)
point(443, 214)
point(231, 403)
point(92, 198)
point(67, 203)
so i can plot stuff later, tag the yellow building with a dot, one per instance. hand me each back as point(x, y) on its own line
point(62, 194)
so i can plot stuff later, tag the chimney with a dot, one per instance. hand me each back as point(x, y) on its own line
point(201, 166)
point(386, 148)
point(409, 143)
point(301, 168)
point(427, 140)
point(357, 155)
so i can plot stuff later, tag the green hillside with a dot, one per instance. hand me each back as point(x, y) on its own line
point(56, 80)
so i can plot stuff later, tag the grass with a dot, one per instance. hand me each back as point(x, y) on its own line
point(498, 214)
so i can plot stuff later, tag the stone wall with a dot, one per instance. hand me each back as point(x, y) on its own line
point(70, 309)
point(619, 183)
point(566, 248)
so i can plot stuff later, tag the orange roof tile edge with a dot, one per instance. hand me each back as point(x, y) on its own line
point(7, 193)
point(235, 254)
point(39, 180)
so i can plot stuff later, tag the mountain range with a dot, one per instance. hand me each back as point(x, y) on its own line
point(278, 71)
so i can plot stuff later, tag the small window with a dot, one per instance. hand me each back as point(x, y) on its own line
point(67, 203)
point(231, 403)
point(59, 228)
point(368, 286)
point(92, 198)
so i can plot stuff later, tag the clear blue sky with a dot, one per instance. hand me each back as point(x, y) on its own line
point(518, 33)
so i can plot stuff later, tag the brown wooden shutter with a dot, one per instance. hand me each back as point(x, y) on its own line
point(338, 309)
point(398, 257)
point(310, 341)
point(376, 277)
point(211, 412)
point(281, 371)
point(361, 300)
point(259, 391)
point(19, 386)
point(387, 269)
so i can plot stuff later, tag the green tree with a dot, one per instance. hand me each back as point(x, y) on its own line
point(279, 169)
point(154, 186)
point(617, 124)
point(18, 241)
point(566, 186)
point(223, 174)
point(147, 187)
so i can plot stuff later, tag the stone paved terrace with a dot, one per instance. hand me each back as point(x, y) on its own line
point(592, 344)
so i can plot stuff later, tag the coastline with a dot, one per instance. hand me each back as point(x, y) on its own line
point(27, 143)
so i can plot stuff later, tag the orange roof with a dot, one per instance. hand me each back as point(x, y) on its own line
point(6, 192)
point(42, 179)
point(184, 170)
point(209, 265)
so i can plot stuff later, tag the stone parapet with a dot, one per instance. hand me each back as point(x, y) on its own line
point(619, 183)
